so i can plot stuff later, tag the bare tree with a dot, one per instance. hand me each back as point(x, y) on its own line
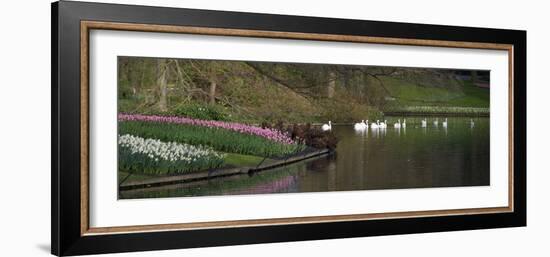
point(331, 85)
point(212, 91)
point(162, 74)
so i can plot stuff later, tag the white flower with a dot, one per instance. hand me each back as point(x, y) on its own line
point(171, 151)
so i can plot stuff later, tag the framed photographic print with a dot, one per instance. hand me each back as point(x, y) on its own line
point(178, 128)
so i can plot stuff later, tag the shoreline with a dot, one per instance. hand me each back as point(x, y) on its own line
point(206, 175)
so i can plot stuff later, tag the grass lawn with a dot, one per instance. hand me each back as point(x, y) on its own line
point(412, 98)
point(231, 160)
point(406, 91)
point(473, 97)
point(134, 177)
point(239, 160)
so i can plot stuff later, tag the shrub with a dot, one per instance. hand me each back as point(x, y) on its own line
point(308, 135)
point(202, 111)
point(342, 111)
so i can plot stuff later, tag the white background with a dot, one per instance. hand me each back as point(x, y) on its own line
point(106, 211)
point(25, 128)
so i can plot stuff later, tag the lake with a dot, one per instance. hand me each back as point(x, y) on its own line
point(411, 157)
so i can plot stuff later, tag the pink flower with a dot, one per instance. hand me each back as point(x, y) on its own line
point(271, 134)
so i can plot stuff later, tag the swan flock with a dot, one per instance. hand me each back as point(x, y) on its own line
point(363, 125)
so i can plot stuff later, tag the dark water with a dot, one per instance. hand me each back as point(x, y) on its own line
point(414, 157)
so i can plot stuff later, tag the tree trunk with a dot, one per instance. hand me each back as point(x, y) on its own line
point(331, 86)
point(162, 70)
point(212, 93)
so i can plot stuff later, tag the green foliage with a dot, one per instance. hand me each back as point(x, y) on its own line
point(240, 160)
point(254, 92)
point(230, 160)
point(346, 112)
point(220, 139)
point(470, 100)
point(468, 95)
point(132, 177)
point(473, 97)
point(202, 111)
point(408, 91)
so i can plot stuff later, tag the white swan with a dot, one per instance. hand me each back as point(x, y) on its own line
point(445, 123)
point(327, 127)
point(436, 122)
point(424, 123)
point(472, 123)
point(404, 124)
point(375, 125)
point(359, 125)
point(384, 124)
point(398, 124)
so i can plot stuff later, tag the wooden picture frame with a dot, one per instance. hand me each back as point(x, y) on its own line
point(71, 25)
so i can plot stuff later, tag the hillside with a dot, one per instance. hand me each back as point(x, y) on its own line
point(296, 93)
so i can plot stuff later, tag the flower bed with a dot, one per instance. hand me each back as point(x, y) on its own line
point(153, 156)
point(271, 134)
point(219, 139)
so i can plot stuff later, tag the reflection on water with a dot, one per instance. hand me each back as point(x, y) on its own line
point(411, 157)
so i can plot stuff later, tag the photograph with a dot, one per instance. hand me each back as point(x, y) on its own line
point(197, 127)
point(178, 127)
